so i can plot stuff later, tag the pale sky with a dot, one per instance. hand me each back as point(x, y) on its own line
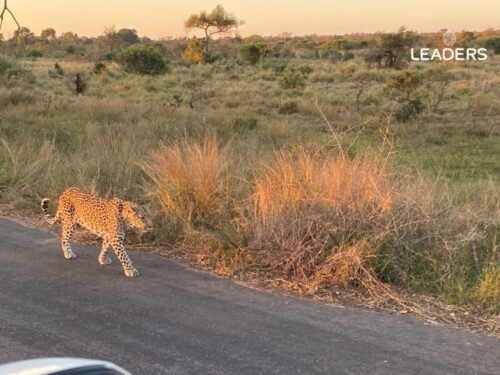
point(160, 18)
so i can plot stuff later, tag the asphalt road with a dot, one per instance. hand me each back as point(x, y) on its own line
point(173, 320)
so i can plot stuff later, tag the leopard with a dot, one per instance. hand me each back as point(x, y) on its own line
point(107, 219)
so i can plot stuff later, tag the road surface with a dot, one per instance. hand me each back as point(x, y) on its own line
point(173, 320)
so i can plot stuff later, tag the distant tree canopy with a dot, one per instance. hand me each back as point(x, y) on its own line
point(391, 48)
point(218, 21)
point(48, 34)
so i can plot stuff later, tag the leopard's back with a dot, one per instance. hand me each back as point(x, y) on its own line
point(94, 213)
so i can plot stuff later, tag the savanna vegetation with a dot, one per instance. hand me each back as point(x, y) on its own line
point(315, 162)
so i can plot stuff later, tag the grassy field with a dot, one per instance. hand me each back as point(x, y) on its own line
point(279, 173)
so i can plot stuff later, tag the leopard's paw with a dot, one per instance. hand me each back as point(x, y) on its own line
point(105, 261)
point(70, 255)
point(132, 272)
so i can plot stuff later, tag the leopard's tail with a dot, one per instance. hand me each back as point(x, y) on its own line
point(48, 217)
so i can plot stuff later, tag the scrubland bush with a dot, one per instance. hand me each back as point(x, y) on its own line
point(34, 52)
point(143, 60)
point(11, 72)
point(292, 79)
point(288, 107)
point(252, 52)
point(195, 51)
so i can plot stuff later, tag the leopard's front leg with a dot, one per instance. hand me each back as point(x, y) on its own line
point(122, 255)
point(104, 258)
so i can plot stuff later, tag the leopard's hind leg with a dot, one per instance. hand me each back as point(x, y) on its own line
point(67, 232)
point(104, 258)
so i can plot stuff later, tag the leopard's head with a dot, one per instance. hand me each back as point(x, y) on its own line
point(137, 216)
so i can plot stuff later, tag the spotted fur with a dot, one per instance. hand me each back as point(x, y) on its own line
point(107, 219)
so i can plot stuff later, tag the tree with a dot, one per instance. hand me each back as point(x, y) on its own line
point(24, 34)
point(69, 37)
point(218, 21)
point(128, 36)
point(48, 34)
point(393, 46)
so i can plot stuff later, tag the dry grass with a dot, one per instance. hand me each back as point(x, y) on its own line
point(335, 182)
point(188, 180)
point(315, 215)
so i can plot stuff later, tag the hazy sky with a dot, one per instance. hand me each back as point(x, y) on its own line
point(159, 18)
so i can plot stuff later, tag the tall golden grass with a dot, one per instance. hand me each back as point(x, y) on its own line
point(308, 179)
point(315, 219)
point(318, 217)
point(188, 179)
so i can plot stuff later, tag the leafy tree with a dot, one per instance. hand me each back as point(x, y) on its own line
point(128, 36)
point(143, 59)
point(48, 34)
point(393, 47)
point(218, 21)
point(68, 37)
point(25, 35)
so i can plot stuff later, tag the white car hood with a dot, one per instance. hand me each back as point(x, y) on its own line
point(47, 366)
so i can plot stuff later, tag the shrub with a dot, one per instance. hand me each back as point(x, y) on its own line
point(11, 72)
point(252, 52)
point(70, 50)
point(34, 52)
point(99, 67)
point(409, 109)
point(305, 70)
point(405, 83)
point(195, 51)
point(292, 79)
point(288, 107)
point(143, 59)
point(276, 65)
point(493, 44)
